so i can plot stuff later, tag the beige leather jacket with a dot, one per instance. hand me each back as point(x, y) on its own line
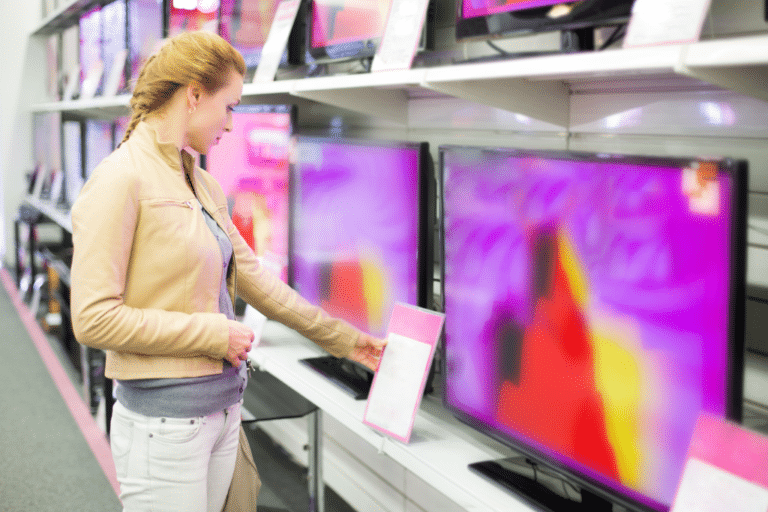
point(146, 269)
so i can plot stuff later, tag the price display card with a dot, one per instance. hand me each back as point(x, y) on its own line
point(655, 22)
point(402, 33)
point(726, 470)
point(401, 377)
point(277, 40)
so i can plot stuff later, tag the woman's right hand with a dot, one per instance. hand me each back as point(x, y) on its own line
point(240, 343)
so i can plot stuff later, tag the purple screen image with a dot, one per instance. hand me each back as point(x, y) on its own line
point(587, 307)
point(355, 246)
point(475, 8)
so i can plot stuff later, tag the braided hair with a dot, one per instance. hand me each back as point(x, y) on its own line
point(199, 56)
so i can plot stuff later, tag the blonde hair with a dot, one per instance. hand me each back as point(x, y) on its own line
point(200, 56)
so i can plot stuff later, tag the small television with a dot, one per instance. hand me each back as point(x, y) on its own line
point(361, 229)
point(246, 24)
point(145, 32)
point(252, 166)
point(594, 308)
point(72, 146)
point(484, 19)
point(339, 30)
point(192, 15)
point(90, 47)
point(99, 143)
point(113, 41)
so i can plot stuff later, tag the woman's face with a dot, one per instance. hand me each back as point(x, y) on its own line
point(212, 116)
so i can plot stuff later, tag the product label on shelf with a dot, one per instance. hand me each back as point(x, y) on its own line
point(402, 34)
point(725, 470)
point(279, 32)
point(657, 22)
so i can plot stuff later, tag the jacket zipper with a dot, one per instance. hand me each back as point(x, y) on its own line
point(187, 204)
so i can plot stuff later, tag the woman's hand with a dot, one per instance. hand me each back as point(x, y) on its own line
point(368, 351)
point(240, 343)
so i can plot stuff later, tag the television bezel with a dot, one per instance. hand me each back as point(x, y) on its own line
point(738, 169)
point(511, 24)
point(425, 209)
point(292, 111)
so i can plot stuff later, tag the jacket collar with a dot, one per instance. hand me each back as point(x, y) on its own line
point(146, 135)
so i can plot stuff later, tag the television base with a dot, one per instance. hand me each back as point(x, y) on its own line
point(539, 486)
point(350, 377)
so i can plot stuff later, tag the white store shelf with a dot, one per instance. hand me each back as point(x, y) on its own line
point(61, 217)
point(439, 451)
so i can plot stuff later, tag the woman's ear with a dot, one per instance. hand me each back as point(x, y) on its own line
point(194, 91)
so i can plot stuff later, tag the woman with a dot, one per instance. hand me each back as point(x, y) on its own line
point(157, 264)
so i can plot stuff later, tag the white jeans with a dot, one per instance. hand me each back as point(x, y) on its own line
point(174, 464)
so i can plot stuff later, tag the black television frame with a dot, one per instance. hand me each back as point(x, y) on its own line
point(350, 376)
point(576, 26)
point(595, 496)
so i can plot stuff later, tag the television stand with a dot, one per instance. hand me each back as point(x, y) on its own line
point(539, 486)
point(350, 377)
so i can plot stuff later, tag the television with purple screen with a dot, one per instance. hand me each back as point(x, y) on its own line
point(360, 228)
point(251, 165)
point(351, 29)
point(483, 19)
point(145, 32)
point(594, 307)
point(192, 15)
point(90, 50)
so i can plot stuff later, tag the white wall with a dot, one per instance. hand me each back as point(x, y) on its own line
point(18, 20)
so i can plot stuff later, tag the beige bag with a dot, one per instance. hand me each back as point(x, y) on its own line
point(246, 483)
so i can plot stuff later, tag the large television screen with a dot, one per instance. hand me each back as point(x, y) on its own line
point(359, 227)
point(494, 18)
point(252, 166)
point(594, 307)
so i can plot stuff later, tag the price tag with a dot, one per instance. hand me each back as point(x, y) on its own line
point(279, 32)
point(725, 470)
point(656, 22)
point(402, 33)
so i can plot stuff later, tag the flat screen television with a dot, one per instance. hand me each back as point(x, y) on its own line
point(72, 146)
point(245, 24)
point(191, 15)
point(338, 30)
point(99, 143)
point(594, 307)
point(145, 31)
point(361, 237)
point(500, 18)
point(251, 164)
point(113, 40)
point(90, 45)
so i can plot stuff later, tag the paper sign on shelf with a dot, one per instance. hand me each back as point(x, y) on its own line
point(656, 22)
point(725, 470)
point(402, 33)
point(401, 377)
point(277, 40)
